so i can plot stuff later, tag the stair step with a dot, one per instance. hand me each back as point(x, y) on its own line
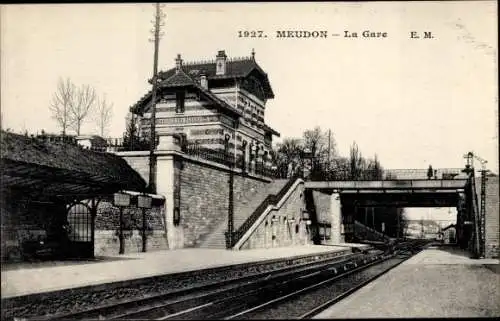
point(242, 211)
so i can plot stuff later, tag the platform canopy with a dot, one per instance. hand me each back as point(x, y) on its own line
point(36, 168)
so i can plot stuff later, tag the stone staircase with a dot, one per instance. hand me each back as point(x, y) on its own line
point(364, 232)
point(244, 205)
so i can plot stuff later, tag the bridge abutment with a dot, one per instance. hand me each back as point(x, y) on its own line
point(336, 218)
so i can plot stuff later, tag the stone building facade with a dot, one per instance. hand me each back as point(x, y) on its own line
point(210, 100)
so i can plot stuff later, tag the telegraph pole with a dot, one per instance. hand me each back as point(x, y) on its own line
point(152, 144)
point(329, 146)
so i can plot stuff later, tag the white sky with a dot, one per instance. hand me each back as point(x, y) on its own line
point(413, 102)
point(443, 215)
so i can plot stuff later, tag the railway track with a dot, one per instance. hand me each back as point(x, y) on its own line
point(296, 292)
point(308, 302)
point(181, 298)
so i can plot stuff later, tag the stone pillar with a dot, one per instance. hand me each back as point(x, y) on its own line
point(348, 212)
point(166, 168)
point(336, 219)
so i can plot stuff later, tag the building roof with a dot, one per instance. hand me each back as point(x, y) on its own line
point(178, 79)
point(235, 68)
point(189, 76)
point(36, 166)
point(270, 130)
point(181, 79)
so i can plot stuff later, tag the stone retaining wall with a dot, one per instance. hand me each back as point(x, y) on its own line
point(282, 226)
point(492, 226)
point(204, 198)
point(108, 244)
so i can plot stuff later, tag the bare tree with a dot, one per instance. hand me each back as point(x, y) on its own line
point(103, 115)
point(356, 162)
point(288, 154)
point(320, 144)
point(61, 102)
point(81, 106)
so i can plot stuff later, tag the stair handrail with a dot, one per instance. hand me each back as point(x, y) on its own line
point(374, 231)
point(271, 199)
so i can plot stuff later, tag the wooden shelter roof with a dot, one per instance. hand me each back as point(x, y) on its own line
point(41, 169)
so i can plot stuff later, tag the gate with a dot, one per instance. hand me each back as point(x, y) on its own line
point(80, 234)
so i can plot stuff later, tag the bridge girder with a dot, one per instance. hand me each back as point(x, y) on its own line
point(417, 184)
point(450, 199)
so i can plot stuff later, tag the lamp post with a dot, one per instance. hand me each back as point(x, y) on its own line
point(227, 137)
point(144, 202)
point(251, 156)
point(265, 159)
point(244, 156)
point(230, 210)
point(258, 164)
point(121, 200)
point(260, 154)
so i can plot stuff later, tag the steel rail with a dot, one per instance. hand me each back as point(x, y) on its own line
point(308, 288)
point(345, 294)
point(337, 267)
point(239, 286)
point(252, 292)
point(193, 293)
point(337, 277)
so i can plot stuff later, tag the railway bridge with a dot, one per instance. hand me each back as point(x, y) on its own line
point(451, 187)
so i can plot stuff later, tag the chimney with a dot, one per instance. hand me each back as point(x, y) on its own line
point(220, 63)
point(178, 63)
point(203, 81)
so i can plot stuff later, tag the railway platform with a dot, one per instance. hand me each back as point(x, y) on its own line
point(24, 279)
point(438, 282)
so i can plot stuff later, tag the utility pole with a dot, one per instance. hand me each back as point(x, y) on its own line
point(152, 144)
point(478, 212)
point(329, 147)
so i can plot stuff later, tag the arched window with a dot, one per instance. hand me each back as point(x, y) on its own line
point(80, 223)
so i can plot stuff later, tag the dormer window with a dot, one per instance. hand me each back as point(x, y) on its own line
point(179, 102)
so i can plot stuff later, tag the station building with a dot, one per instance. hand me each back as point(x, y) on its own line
point(207, 101)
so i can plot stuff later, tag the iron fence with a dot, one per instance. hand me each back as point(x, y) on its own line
point(262, 165)
point(320, 172)
point(257, 165)
point(215, 155)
